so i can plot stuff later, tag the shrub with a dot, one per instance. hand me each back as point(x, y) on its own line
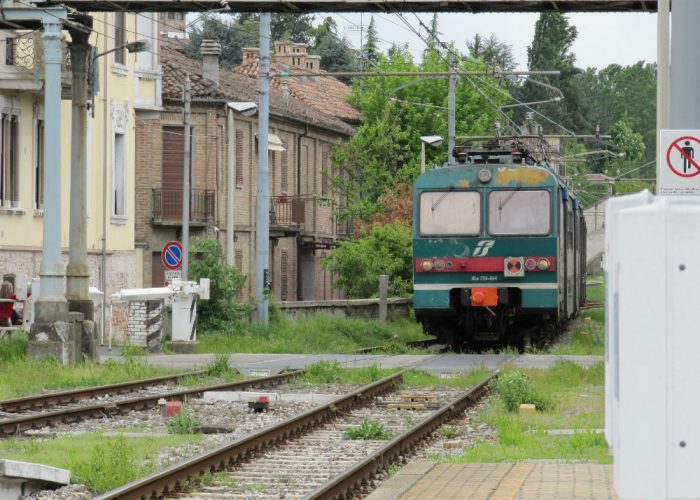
point(383, 250)
point(323, 372)
point(112, 463)
point(207, 261)
point(515, 388)
point(368, 430)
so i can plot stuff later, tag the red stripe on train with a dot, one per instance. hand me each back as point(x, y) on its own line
point(476, 264)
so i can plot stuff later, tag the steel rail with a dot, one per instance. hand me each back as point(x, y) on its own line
point(177, 477)
point(17, 425)
point(74, 395)
point(345, 484)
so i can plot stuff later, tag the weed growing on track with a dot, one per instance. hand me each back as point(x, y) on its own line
point(368, 431)
point(183, 423)
point(515, 387)
point(318, 333)
point(448, 431)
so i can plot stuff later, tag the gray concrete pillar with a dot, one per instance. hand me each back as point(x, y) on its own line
point(685, 65)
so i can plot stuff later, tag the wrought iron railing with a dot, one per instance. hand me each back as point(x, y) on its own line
point(167, 205)
point(19, 51)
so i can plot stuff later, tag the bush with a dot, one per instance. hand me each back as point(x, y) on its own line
point(386, 249)
point(515, 388)
point(207, 261)
point(112, 463)
point(184, 423)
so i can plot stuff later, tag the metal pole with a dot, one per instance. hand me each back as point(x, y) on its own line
point(451, 111)
point(663, 76)
point(51, 304)
point(262, 206)
point(685, 65)
point(77, 273)
point(230, 187)
point(186, 185)
point(422, 157)
point(105, 137)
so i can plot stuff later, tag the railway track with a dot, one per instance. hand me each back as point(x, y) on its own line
point(16, 425)
point(73, 396)
point(420, 344)
point(309, 445)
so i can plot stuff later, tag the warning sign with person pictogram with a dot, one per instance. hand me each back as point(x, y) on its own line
point(679, 163)
point(513, 267)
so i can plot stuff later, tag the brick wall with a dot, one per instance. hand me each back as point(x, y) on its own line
point(145, 324)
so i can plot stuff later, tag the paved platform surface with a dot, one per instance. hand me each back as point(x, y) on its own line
point(275, 363)
point(520, 481)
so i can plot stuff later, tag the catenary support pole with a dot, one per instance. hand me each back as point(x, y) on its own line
point(663, 75)
point(51, 304)
point(77, 273)
point(451, 117)
point(262, 206)
point(186, 184)
point(685, 65)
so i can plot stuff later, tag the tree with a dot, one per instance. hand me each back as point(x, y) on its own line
point(551, 50)
point(336, 53)
point(370, 50)
point(491, 51)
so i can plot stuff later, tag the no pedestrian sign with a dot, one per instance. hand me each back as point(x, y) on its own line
point(679, 163)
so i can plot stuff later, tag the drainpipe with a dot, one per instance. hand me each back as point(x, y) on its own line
point(103, 256)
point(77, 272)
point(299, 138)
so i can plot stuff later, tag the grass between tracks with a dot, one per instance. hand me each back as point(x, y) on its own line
point(319, 333)
point(576, 395)
point(100, 462)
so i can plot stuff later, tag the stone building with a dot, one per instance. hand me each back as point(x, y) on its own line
point(306, 119)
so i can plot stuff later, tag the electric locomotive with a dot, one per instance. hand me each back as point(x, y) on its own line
point(499, 246)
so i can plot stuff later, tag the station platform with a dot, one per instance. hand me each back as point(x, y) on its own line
point(504, 481)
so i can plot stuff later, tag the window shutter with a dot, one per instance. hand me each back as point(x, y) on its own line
point(239, 158)
point(284, 273)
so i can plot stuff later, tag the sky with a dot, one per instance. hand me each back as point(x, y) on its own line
point(603, 39)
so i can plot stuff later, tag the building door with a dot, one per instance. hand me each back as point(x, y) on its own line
point(172, 174)
point(308, 275)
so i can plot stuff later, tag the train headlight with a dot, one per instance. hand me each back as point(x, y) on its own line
point(426, 265)
point(484, 175)
point(530, 264)
point(543, 264)
point(439, 264)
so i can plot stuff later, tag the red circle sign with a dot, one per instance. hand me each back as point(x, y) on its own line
point(683, 151)
point(171, 256)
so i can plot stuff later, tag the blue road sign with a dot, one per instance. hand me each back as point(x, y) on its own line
point(172, 255)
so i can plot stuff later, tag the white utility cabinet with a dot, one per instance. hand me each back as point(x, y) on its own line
point(653, 340)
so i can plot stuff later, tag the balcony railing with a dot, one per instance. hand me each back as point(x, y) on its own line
point(288, 211)
point(167, 206)
point(19, 51)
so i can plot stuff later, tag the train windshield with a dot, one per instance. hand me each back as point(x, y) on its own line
point(446, 213)
point(516, 212)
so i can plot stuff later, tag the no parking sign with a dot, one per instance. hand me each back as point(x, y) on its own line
point(172, 255)
point(679, 163)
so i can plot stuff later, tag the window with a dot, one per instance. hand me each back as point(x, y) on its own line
point(285, 173)
point(9, 161)
point(444, 213)
point(119, 37)
point(145, 60)
point(39, 165)
point(513, 212)
point(119, 176)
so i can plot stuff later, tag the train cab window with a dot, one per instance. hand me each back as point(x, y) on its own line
point(445, 213)
point(516, 212)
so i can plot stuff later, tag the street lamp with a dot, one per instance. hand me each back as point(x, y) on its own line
point(431, 140)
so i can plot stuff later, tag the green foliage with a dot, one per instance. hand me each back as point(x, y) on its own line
point(13, 349)
point(368, 430)
point(514, 388)
point(491, 51)
point(324, 372)
point(112, 463)
point(448, 431)
point(207, 261)
point(385, 250)
point(183, 423)
point(220, 366)
point(335, 51)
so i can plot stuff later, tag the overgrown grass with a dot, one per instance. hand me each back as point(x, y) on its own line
point(13, 349)
point(368, 430)
point(183, 423)
point(577, 394)
point(587, 335)
point(596, 291)
point(22, 376)
point(98, 461)
point(319, 333)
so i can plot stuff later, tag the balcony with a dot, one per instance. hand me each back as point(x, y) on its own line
point(288, 213)
point(167, 207)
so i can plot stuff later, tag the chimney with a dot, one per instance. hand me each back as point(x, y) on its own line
point(211, 50)
point(313, 63)
point(250, 54)
point(290, 53)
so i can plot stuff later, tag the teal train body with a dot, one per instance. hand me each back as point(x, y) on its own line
point(499, 249)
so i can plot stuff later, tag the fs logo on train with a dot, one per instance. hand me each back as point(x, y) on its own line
point(679, 163)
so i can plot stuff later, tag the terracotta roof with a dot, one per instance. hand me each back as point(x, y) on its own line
point(235, 87)
point(322, 92)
